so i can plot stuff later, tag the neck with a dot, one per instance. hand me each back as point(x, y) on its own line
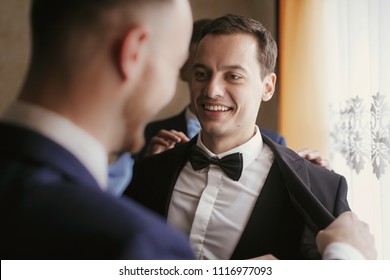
point(78, 98)
point(218, 144)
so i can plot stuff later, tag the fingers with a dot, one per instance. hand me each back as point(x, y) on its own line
point(265, 257)
point(314, 157)
point(172, 136)
point(165, 140)
point(320, 241)
point(322, 162)
point(347, 228)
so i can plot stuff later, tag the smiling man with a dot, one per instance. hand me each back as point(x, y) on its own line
point(232, 190)
point(228, 88)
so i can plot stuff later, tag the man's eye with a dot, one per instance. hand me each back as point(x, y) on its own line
point(200, 75)
point(233, 77)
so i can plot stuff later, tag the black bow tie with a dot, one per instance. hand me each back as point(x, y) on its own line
point(230, 164)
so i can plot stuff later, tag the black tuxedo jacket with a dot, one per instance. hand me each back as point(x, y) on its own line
point(297, 197)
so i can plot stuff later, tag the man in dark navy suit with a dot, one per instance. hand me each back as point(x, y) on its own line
point(96, 71)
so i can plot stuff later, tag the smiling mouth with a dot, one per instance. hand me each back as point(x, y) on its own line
point(216, 108)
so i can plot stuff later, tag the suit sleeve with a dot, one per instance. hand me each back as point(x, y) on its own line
point(308, 245)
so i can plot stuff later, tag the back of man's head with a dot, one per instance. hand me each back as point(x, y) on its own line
point(232, 24)
point(104, 63)
point(57, 26)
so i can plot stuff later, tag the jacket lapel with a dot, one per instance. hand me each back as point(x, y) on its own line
point(155, 191)
point(297, 181)
point(273, 226)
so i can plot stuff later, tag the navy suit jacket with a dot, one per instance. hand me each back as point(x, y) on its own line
point(300, 197)
point(52, 208)
point(179, 123)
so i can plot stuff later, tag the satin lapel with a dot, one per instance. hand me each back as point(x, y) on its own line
point(297, 181)
point(182, 122)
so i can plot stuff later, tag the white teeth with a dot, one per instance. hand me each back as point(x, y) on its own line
point(216, 108)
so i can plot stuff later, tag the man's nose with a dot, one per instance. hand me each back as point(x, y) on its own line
point(214, 88)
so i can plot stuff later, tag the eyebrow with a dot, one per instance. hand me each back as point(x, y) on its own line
point(227, 67)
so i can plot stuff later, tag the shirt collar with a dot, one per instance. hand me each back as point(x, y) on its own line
point(81, 144)
point(250, 150)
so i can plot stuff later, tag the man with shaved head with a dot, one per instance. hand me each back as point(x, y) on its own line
point(100, 71)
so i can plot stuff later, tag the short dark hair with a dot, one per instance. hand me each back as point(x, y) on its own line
point(197, 29)
point(232, 24)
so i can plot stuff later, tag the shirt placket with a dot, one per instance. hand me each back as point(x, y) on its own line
point(205, 210)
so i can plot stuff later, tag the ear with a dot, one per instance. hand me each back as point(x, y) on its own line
point(131, 49)
point(269, 87)
point(183, 71)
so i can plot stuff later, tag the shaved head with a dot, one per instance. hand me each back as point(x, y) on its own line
point(61, 28)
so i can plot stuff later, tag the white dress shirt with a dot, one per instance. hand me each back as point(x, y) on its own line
point(221, 206)
point(77, 141)
point(341, 251)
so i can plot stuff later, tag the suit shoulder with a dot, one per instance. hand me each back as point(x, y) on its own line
point(173, 122)
point(274, 136)
point(289, 155)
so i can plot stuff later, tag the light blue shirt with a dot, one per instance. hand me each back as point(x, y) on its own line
point(119, 174)
point(193, 125)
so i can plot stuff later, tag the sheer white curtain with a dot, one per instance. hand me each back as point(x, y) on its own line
point(358, 85)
